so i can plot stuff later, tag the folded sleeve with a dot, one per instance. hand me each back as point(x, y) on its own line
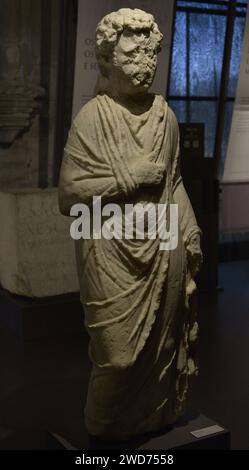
point(84, 173)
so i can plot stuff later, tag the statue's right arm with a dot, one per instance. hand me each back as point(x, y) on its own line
point(83, 176)
point(73, 190)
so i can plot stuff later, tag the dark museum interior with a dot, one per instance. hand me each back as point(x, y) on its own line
point(48, 71)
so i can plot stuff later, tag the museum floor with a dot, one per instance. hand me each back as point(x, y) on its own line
point(43, 386)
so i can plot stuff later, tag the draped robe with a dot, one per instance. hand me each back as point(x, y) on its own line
point(136, 297)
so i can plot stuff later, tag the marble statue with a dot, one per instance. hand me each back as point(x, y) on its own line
point(138, 300)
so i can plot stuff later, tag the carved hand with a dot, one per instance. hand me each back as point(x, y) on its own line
point(147, 171)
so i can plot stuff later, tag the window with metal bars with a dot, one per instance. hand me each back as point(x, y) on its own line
point(207, 43)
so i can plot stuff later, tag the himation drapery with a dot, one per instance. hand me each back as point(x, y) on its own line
point(136, 297)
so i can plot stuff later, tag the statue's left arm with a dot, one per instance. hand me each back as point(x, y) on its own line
point(190, 230)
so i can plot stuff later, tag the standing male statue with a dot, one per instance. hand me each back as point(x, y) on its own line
point(124, 146)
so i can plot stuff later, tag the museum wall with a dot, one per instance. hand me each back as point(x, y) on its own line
point(20, 87)
point(29, 45)
point(234, 217)
point(35, 245)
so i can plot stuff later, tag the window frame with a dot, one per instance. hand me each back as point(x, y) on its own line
point(231, 12)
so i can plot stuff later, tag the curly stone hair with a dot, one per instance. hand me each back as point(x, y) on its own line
point(111, 27)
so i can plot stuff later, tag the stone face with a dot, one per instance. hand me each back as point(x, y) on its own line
point(124, 146)
point(36, 251)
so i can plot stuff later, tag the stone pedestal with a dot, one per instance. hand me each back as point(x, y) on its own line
point(36, 250)
point(178, 438)
point(181, 436)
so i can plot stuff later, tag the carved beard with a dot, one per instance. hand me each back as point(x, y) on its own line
point(139, 66)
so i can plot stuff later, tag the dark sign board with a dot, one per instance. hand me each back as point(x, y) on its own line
point(192, 137)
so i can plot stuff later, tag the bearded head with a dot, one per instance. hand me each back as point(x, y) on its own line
point(127, 44)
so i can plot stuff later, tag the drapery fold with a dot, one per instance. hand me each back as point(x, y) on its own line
point(137, 311)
